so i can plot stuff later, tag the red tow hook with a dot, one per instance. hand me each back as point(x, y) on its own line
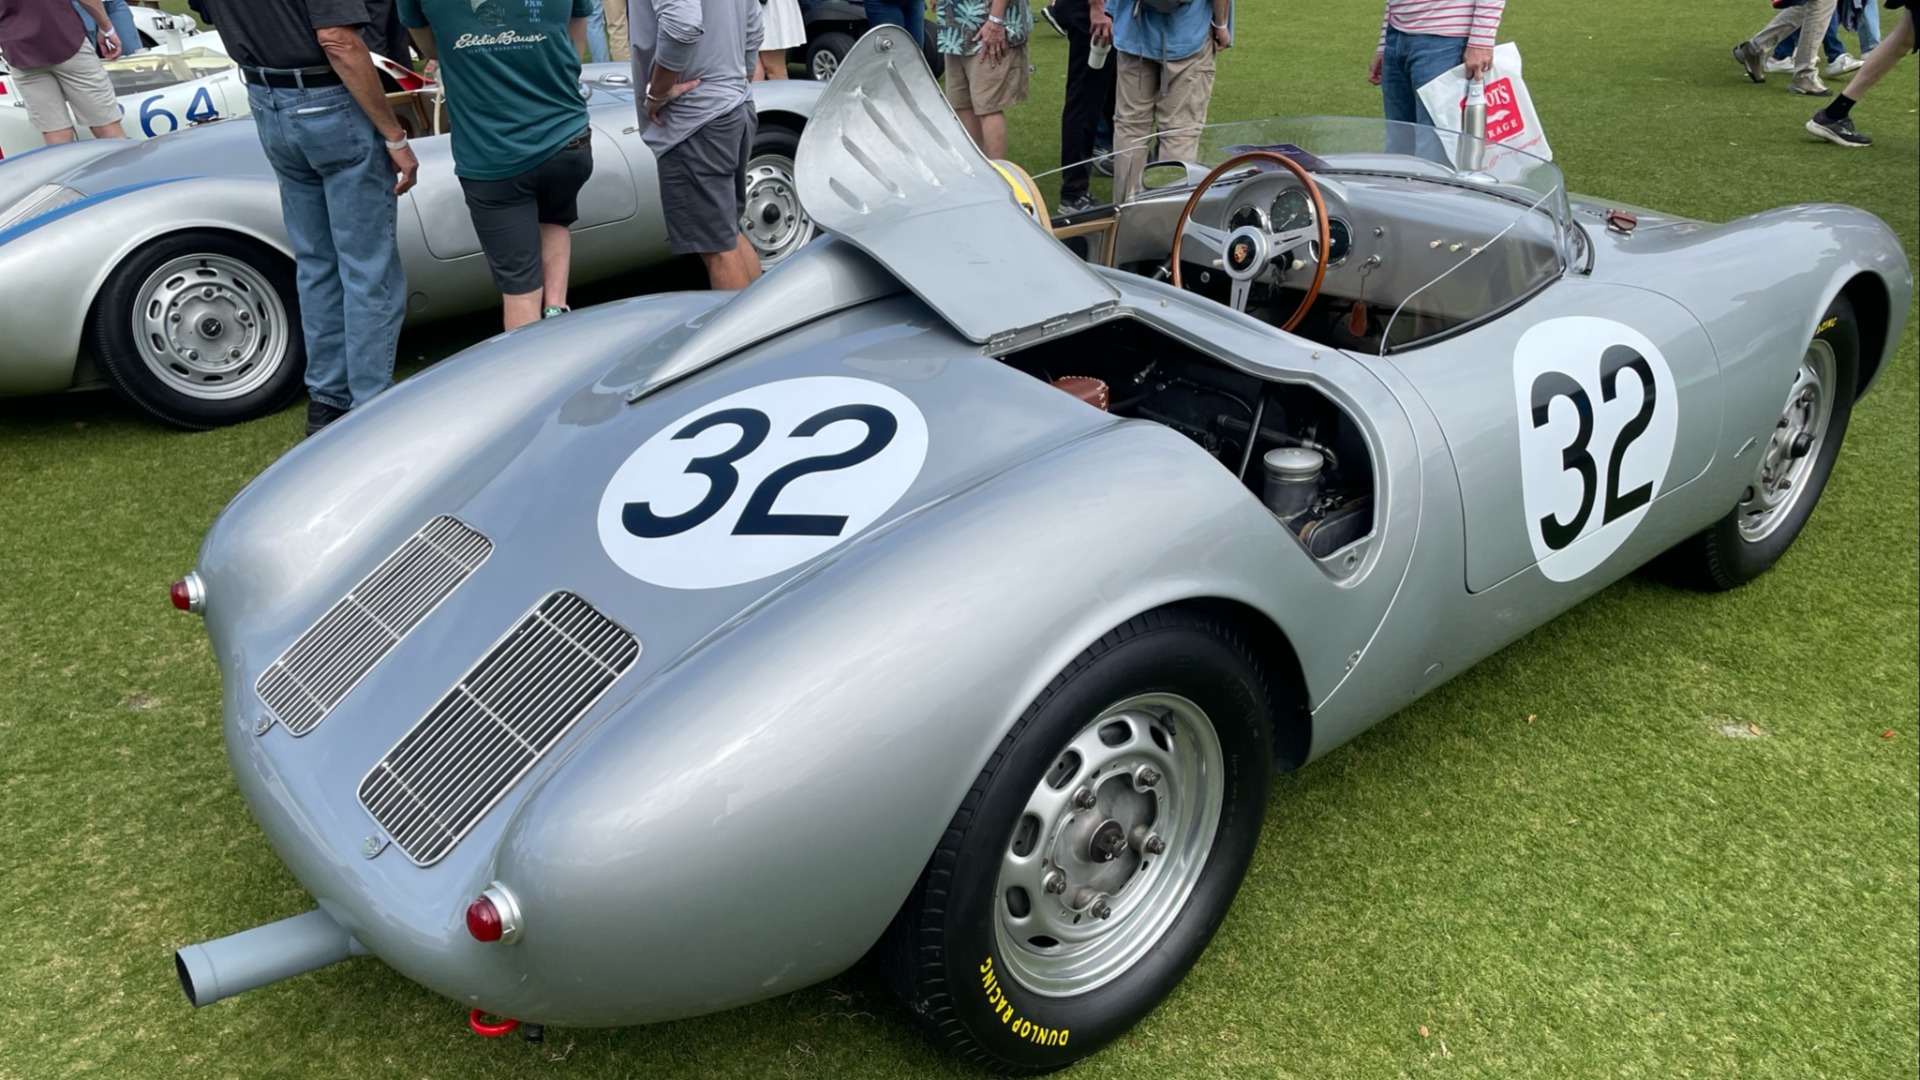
point(491, 1031)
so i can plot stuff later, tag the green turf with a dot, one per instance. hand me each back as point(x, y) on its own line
point(1616, 888)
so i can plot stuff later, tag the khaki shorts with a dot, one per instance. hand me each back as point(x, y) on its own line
point(983, 88)
point(78, 82)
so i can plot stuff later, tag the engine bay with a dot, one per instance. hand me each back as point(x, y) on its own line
point(1289, 445)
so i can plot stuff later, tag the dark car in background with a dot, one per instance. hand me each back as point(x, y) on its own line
point(832, 28)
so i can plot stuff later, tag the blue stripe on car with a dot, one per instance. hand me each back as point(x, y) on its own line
point(54, 215)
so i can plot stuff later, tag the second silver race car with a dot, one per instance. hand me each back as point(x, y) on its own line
point(163, 268)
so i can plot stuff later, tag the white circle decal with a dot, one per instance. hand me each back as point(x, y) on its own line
point(1598, 416)
point(761, 480)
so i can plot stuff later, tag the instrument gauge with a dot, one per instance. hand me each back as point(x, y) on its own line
point(1339, 241)
point(1248, 215)
point(1292, 210)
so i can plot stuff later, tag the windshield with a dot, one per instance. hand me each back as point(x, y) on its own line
point(1504, 214)
point(155, 70)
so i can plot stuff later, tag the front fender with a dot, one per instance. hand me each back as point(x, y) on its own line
point(762, 808)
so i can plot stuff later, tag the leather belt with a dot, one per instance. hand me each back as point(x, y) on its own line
point(291, 78)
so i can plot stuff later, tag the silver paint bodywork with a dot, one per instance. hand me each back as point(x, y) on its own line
point(215, 177)
point(745, 810)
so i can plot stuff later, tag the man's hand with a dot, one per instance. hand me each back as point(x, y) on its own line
point(108, 46)
point(1479, 59)
point(1374, 69)
point(1102, 27)
point(406, 167)
point(993, 42)
point(657, 102)
point(1222, 39)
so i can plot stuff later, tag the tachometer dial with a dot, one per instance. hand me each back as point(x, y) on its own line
point(1292, 210)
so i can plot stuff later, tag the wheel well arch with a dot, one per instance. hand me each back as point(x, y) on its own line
point(787, 121)
point(1275, 656)
point(107, 274)
point(1867, 294)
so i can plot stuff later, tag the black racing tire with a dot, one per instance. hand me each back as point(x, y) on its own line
point(774, 222)
point(825, 52)
point(930, 48)
point(946, 953)
point(200, 330)
point(1750, 539)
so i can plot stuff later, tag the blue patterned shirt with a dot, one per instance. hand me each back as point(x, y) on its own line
point(960, 20)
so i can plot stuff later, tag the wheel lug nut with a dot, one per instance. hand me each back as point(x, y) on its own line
point(1085, 798)
point(1156, 846)
point(1055, 882)
point(1146, 777)
point(1101, 910)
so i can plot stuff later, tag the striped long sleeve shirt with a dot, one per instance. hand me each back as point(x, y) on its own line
point(1476, 20)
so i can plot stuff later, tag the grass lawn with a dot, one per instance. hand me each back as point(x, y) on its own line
point(1577, 860)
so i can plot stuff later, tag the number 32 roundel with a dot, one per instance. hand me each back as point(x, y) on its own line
point(1598, 416)
point(761, 481)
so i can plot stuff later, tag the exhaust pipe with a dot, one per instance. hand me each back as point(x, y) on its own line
point(265, 954)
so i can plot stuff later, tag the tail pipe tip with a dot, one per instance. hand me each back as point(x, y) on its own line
point(234, 964)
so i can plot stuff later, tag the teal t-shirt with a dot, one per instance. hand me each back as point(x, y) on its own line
point(512, 79)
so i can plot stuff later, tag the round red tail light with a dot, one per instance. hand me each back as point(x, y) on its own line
point(178, 594)
point(483, 920)
point(495, 916)
point(188, 594)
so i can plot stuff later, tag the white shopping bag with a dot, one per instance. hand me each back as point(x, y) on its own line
point(1512, 123)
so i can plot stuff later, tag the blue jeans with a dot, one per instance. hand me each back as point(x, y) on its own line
point(911, 14)
point(1410, 62)
point(1869, 28)
point(1831, 45)
point(597, 34)
point(336, 193)
point(122, 18)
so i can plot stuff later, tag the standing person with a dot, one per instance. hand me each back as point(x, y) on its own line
point(1419, 41)
point(1090, 94)
point(782, 28)
point(1835, 122)
point(1839, 62)
point(56, 66)
point(987, 74)
point(908, 14)
point(692, 58)
point(1811, 20)
point(607, 31)
point(323, 118)
point(1164, 56)
point(120, 17)
point(522, 144)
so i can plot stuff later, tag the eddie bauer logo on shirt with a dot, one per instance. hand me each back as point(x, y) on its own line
point(504, 37)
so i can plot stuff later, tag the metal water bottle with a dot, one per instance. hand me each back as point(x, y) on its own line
point(1473, 131)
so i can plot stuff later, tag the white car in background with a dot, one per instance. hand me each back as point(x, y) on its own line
point(183, 76)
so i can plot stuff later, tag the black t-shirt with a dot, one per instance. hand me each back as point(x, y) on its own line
point(280, 33)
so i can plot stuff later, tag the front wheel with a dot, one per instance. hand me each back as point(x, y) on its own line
point(774, 222)
point(1097, 852)
point(1791, 469)
point(201, 329)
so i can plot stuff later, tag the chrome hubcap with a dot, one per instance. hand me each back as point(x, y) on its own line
point(774, 222)
point(1794, 446)
point(210, 327)
point(824, 65)
point(1109, 846)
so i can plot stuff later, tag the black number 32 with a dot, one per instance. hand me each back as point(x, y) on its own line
point(723, 480)
point(1575, 458)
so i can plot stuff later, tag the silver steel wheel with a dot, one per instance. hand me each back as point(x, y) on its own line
point(774, 222)
point(1110, 845)
point(210, 327)
point(1796, 444)
point(823, 65)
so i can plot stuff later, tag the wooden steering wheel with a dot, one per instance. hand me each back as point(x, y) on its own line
point(1246, 252)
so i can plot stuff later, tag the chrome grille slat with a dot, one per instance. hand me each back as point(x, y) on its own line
point(329, 659)
point(494, 725)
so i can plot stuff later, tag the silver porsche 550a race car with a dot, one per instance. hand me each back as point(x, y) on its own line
point(163, 268)
point(956, 589)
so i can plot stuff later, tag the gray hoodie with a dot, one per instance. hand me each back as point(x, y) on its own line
point(715, 41)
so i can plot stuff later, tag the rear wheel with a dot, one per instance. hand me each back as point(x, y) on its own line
point(774, 222)
point(201, 329)
point(1792, 466)
point(1096, 853)
point(825, 52)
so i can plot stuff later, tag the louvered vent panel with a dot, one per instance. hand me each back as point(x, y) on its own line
point(324, 664)
point(483, 736)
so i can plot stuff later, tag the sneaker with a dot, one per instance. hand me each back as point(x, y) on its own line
point(320, 414)
point(1837, 132)
point(1076, 204)
point(1053, 20)
point(1752, 59)
point(1103, 160)
point(1777, 66)
point(1810, 87)
point(1842, 65)
point(555, 312)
